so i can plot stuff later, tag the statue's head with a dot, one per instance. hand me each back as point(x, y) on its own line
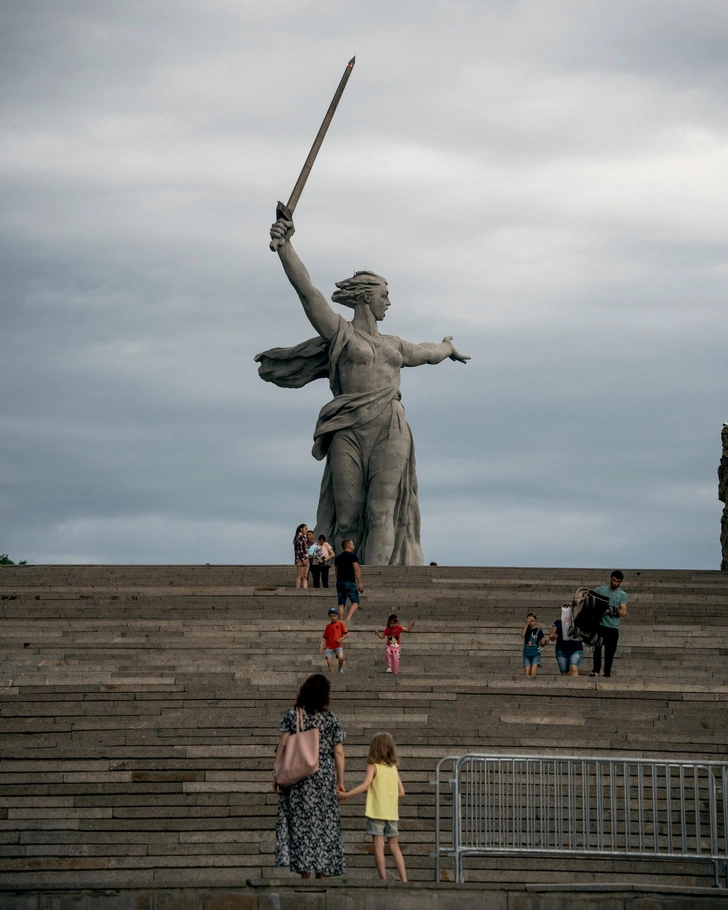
point(363, 288)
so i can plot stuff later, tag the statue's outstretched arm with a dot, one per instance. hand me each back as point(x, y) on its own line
point(419, 354)
point(319, 313)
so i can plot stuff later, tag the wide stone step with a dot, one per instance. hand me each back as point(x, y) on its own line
point(138, 708)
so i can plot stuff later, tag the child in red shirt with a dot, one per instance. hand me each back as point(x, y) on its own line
point(392, 633)
point(334, 634)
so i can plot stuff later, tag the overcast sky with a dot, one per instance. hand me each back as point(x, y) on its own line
point(546, 181)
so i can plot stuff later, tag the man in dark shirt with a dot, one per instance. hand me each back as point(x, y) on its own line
point(348, 578)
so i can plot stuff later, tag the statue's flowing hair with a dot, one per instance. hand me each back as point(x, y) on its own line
point(350, 290)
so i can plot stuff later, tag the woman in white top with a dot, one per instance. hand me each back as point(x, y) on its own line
point(320, 564)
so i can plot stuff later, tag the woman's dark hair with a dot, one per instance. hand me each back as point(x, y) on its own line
point(299, 529)
point(315, 694)
point(321, 537)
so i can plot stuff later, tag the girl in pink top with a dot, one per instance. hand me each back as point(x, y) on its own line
point(392, 634)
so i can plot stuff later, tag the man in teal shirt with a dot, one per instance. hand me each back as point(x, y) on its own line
point(609, 627)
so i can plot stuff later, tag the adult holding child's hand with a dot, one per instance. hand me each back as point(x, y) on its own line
point(308, 827)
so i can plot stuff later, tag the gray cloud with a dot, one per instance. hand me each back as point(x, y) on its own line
point(545, 182)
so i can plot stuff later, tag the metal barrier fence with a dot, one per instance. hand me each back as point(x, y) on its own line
point(553, 805)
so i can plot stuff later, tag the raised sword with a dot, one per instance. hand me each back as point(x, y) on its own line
point(286, 211)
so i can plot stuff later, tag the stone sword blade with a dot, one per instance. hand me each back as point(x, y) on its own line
point(286, 211)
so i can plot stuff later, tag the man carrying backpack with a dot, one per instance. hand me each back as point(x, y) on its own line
point(609, 626)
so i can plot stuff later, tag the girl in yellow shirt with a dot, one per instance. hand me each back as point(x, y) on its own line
point(383, 788)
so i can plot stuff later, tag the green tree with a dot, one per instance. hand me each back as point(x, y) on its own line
point(6, 561)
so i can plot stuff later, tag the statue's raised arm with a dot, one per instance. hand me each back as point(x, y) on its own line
point(315, 305)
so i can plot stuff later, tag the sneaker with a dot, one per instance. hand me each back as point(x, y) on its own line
point(341, 669)
point(389, 669)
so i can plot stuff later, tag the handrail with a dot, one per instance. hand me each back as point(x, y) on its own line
point(583, 805)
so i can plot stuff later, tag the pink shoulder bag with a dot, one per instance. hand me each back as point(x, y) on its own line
point(299, 756)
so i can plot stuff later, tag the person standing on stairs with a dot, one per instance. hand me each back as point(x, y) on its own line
point(392, 633)
point(569, 651)
point(310, 551)
point(383, 787)
point(308, 827)
point(532, 637)
point(609, 626)
point(348, 579)
point(300, 556)
point(320, 562)
point(334, 635)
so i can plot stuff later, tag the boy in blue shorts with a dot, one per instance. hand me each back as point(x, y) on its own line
point(348, 579)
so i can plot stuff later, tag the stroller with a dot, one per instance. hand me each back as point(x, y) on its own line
point(591, 608)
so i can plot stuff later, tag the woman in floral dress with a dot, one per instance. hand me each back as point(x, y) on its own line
point(308, 827)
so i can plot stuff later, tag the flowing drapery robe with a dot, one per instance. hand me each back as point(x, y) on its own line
point(364, 422)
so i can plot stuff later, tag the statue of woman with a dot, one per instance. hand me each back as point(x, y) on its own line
point(369, 487)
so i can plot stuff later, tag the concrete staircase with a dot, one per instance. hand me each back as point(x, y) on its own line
point(139, 704)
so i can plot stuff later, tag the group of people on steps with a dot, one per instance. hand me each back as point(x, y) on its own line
point(308, 826)
point(348, 588)
point(312, 558)
point(569, 650)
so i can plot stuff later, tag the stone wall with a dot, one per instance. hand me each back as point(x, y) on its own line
point(343, 896)
point(723, 496)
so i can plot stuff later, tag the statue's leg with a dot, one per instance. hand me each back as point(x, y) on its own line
point(387, 464)
point(347, 469)
point(383, 490)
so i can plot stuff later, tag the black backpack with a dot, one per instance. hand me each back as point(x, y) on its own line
point(588, 619)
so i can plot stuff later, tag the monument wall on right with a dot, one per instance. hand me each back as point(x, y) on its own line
point(723, 496)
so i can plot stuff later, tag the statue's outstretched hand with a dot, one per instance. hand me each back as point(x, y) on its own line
point(459, 358)
point(280, 233)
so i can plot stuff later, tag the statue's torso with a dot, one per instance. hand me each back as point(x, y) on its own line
point(368, 362)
